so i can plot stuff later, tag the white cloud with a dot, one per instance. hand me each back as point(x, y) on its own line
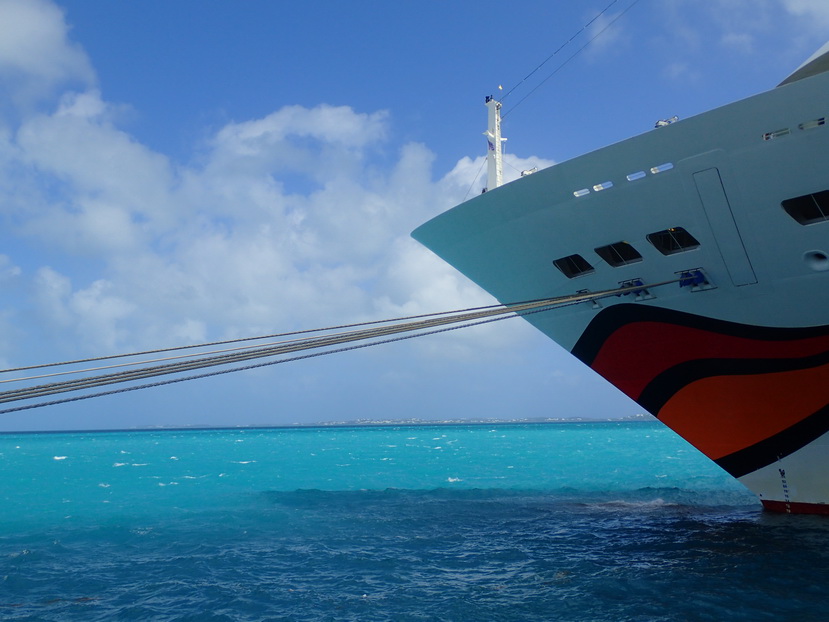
point(8, 334)
point(35, 53)
point(51, 291)
point(225, 248)
point(8, 271)
point(469, 176)
point(100, 315)
point(298, 219)
point(606, 35)
point(94, 315)
point(702, 42)
point(815, 12)
point(330, 124)
point(10, 277)
point(680, 71)
point(742, 26)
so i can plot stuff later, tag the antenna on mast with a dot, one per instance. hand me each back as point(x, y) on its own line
point(494, 154)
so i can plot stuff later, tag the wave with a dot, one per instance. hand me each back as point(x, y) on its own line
point(562, 499)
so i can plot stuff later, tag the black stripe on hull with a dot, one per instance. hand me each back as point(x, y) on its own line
point(779, 446)
point(611, 319)
point(667, 384)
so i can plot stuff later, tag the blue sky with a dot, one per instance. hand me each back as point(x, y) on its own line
point(179, 172)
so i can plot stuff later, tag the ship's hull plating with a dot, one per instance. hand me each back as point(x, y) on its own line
point(737, 363)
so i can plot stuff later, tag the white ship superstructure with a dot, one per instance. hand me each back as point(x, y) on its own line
point(732, 208)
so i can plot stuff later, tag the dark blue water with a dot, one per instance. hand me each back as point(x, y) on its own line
point(514, 522)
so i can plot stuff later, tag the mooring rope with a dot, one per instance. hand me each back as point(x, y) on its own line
point(375, 335)
point(229, 341)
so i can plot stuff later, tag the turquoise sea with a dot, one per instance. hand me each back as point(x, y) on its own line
point(574, 521)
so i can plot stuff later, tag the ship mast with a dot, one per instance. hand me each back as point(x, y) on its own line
point(494, 154)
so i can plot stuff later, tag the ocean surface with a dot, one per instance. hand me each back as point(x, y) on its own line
point(574, 521)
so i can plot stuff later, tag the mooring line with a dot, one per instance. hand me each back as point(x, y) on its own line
point(435, 323)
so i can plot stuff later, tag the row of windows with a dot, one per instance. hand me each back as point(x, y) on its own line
point(661, 168)
point(807, 209)
point(667, 242)
point(808, 125)
point(654, 170)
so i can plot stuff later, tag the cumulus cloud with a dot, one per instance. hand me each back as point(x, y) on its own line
point(225, 248)
point(107, 180)
point(36, 55)
point(297, 219)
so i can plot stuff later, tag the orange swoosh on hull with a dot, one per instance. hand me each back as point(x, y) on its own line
point(724, 414)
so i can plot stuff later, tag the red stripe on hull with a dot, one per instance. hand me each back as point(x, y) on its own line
point(796, 508)
point(745, 396)
point(638, 352)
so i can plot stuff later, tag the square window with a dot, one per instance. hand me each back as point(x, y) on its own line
point(573, 266)
point(672, 241)
point(619, 254)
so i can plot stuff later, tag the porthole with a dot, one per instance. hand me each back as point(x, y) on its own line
point(662, 168)
point(810, 125)
point(776, 134)
point(817, 260)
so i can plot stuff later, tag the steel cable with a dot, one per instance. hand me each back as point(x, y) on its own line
point(381, 334)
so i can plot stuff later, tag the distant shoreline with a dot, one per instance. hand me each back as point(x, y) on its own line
point(359, 423)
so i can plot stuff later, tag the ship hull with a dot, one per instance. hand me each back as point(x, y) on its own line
point(725, 211)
